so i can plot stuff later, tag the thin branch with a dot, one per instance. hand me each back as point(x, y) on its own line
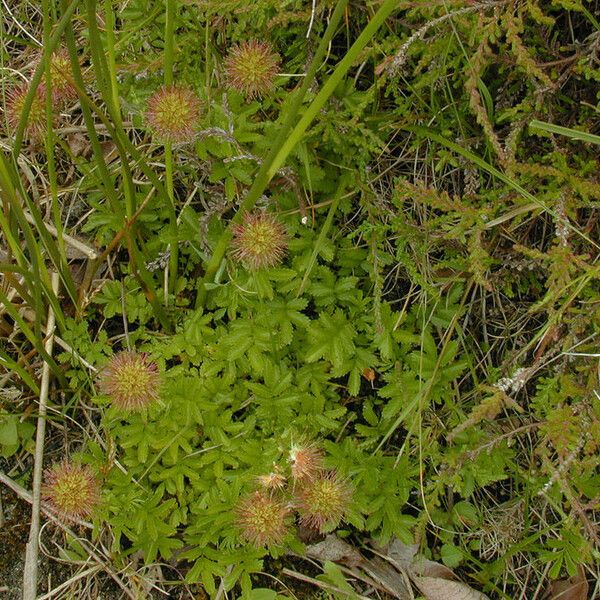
point(31, 554)
point(84, 249)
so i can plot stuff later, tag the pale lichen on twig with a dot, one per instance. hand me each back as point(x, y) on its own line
point(395, 63)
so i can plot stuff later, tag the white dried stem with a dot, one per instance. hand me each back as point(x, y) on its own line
point(312, 18)
point(31, 553)
point(84, 249)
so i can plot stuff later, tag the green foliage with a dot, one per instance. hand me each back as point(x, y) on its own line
point(243, 381)
point(14, 434)
point(568, 551)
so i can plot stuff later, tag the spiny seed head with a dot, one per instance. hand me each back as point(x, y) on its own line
point(262, 519)
point(272, 481)
point(173, 113)
point(35, 127)
point(71, 490)
point(251, 68)
point(131, 380)
point(63, 90)
point(322, 502)
point(306, 461)
point(260, 241)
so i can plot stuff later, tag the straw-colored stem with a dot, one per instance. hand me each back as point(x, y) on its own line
point(31, 552)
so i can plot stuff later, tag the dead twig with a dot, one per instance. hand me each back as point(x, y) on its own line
point(31, 553)
point(76, 244)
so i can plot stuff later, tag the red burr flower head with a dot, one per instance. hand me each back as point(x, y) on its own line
point(71, 490)
point(272, 481)
point(262, 518)
point(63, 90)
point(251, 68)
point(36, 126)
point(323, 501)
point(173, 113)
point(306, 461)
point(260, 241)
point(131, 380)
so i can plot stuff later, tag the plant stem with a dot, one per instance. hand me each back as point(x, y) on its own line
point(109, 18)
point(329, 87)
point(49, 141)
point(324, 232)
point(30, 569)
point(169, 62)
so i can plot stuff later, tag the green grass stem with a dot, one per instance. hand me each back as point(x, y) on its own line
point(169, 60)
point(108, 184)
point(11, 193)
point(582, 136)
point(50, 137)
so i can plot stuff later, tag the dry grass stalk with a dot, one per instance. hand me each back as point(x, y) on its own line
point(31, 553)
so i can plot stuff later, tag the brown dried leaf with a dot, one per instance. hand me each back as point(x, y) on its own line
point(436, 588)
point(574, 588)
point(434, 580)
point(388, 578)
point(400, 554)
point(110, 151)
point(423, 567)
point(79, 144)
point(405, 557)
point(336, 550)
